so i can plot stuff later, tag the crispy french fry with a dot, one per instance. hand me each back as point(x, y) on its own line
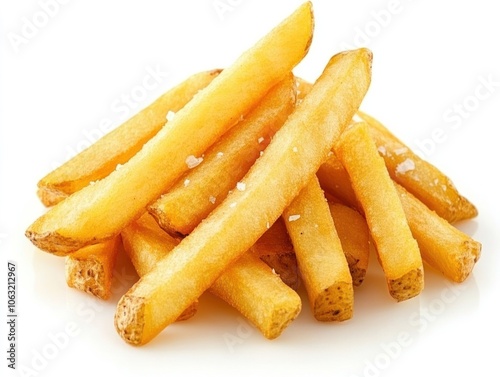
point(319, 253)
point(275, 248)
point(91, 269)
point(85, 218)
point(444, 247)
point(201, 189)
point(398, 251)
point(248, 284)
point(355, 238)
point(289, 162)
point(118, 146)
point(418, 176)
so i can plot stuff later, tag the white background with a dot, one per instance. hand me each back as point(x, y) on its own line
point(71, 74)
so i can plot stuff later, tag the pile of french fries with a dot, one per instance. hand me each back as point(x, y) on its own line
point(246, 182)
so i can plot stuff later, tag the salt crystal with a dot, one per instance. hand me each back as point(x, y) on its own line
point(261, 139)
point(192, 161)
point(220, 154)
point(241, 186)
point(295, 149)
point(212, 199)
point(400, 151)
point(382, 150)
point(170, 116)
point(186, 182)
point(232, 205)
point(293, 217)
point(405, 166)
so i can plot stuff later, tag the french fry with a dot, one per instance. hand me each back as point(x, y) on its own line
point(248, 284)
point(91, 269)
point(145, 243)
point(444, 247)
point(289, 162)
point(275, 248)
point(118, 146)
point(418, 176)
point(99, 212)
point(319, 253)
point(201, 189)
point(397, 250)
point(355, 238)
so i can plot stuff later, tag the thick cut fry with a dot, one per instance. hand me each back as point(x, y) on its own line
point(355, 238)
point(100, 211)
point(418, 176)
point(443, 246)
point(398, 251)
point(322, 263)
point(201, 189)
point(275, 248)
point(91, 269)
point(248, 284)
point(145, 243)
point(289, 162)
point(118, 146)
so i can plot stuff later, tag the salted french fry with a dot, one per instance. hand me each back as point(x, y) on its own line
point(275, 248)
point(201, 189)
point(119, 145)
point(91, 269)
point(398, 251)
point(355, 238)
point(444, 247)
point(418, 176)
point(289, 162)
point(248, 284)
point(100, 211)
point(322, 263)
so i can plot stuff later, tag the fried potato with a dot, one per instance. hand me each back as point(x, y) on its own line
point(118, 146)
point(248, 285)
point(201, 189)
point(355, 239)
point(275, 248)
point(99, 212)
point(322, 262)
point(444, 247)
point(145, 243)
point(289, 162)
point(397, 250)
point(91, 269)
point(418, 176)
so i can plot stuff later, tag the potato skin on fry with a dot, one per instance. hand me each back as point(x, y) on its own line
point(289, 162)
point(397, 250)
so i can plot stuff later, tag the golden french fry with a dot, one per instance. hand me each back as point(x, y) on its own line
point(91, 269)
point(84, 217)
point(145, 243)
point(201, 189)
point(398, 251)
point(322, 263)
point(275, 248)
point(248, 284)
point(444, 247)
point(118, 146)
point(289, 162)
point(418, 176)
point(355, 238)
